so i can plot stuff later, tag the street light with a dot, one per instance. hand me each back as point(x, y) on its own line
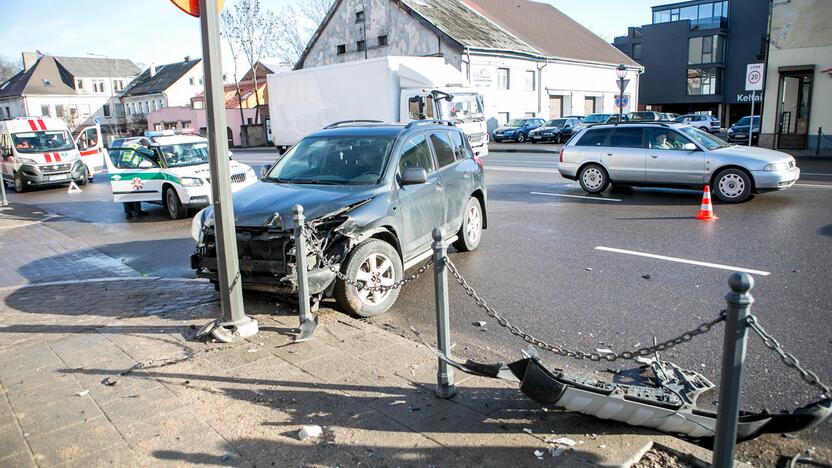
point(621, 72)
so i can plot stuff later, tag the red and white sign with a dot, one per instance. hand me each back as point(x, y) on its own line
point(754, 76)
point(137, 183)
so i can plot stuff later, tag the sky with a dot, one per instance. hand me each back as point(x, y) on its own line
point(154, 31)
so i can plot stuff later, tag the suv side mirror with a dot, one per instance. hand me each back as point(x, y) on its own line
point(690, 147)
point(264, 169)
point(414, 176)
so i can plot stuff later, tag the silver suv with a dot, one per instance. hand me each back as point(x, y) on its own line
point(670, 154)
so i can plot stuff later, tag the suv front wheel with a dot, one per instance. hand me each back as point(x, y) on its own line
point(372, 263)
point(593, 178)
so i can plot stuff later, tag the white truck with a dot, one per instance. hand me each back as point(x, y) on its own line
point(386, 89)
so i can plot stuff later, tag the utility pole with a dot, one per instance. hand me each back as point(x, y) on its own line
point(621, 72)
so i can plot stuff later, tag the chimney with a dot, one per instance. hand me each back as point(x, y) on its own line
point(30, 59)
point(187, 58)
point(152, 69)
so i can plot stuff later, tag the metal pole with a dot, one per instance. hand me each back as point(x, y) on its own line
point(444, 375)
point(751, 124)
point(5, 201)
point(228, 268)
point(733, 356)
point(307, 321)
point(620, 99)
point(817, 147)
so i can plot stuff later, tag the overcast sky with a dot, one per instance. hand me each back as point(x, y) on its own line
point(148, 31)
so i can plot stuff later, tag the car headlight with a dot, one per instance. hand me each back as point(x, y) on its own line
point(190, 181)
point(196, 226)
point(27, 161)
point(774, 167)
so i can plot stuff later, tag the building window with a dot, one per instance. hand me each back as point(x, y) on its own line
point(119, 108)
point(636, 51)
point(106, 109)
point(529, 115)
point(79, 84)
point(707, 49)
point(73, 110)
point(359, 16)
point(341, 49)
point(4, 113)
point(59, 111)
point(85, 110)
point(186, 124)
point(502, 118)
point(359, 46)
point(199, 105)
point(530, 79)
point(703, 81)
point(502, 78)
point(382, 40)
point(98, 86)
point(200, 81)
point(118, 85)
point(704, 16)
point(191, 81)
point(44, 110)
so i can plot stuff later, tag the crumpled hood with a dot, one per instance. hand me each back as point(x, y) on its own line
point(255, 205)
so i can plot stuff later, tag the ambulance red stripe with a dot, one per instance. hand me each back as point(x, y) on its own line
point(33, 125)
point(57, 157)
point(41, 124)
point(48, 157)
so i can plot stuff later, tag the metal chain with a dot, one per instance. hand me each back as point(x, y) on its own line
point(562, 350)
point(310, 242)
point(788, 359)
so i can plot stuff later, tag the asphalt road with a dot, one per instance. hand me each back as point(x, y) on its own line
point(539, 264)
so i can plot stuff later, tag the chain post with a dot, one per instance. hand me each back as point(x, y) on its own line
point(307, 321)
point(739, 302)
point(4, 202)
point(444, 375)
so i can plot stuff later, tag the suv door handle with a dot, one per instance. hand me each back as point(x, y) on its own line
point(439, 187)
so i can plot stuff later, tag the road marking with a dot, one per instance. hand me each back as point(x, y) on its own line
point(684, 260)
point(814, 185)
point(576, 196)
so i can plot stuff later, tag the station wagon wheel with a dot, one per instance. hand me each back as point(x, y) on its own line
point(470, 233)
point(521, 137)
point(593, 178)
point(372, 263)
point(732, 186)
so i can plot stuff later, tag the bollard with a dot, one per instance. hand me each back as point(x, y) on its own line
point(820, 137)
point(444, 374)
point(733, 357)
point(307, 321)
point(5, 202)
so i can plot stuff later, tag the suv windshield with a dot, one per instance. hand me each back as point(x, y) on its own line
point(334, 160)
point(556, 123)
point(746, 120)
point(596, 118)
point(465, 106)
point(704, 138)
point(42, 141)
point(515, 123)
point(185, 154)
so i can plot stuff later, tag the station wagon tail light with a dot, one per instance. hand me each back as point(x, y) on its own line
point(478, 160)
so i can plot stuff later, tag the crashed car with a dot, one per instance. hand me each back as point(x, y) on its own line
point(371, 193)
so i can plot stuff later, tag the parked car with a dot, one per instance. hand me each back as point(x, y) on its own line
point(669, 116)
point(739, 131)
point(517, 129)
point(706, 123)
point(557, 130)
point(372, 195)
point(579, 117)
point(645, 116)
point(597, 119)
point(660, 154)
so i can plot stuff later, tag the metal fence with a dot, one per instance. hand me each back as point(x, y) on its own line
point(737, 317)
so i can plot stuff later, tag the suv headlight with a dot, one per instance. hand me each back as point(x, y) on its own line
point(190, 181)
point(774, 167)
point(196, 226)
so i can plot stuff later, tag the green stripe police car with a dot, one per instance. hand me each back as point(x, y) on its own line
point(167, 168)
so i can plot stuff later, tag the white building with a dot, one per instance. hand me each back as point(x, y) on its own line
point(527, 58)
point(76, 89)
point(161, 86)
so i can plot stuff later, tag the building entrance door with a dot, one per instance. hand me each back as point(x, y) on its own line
point(793, 106)
point(555, 107)
point(589, 105)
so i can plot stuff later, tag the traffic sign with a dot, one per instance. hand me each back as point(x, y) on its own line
point(754, 76)
point(619, 102)
point(97, 120)
point(191, 7)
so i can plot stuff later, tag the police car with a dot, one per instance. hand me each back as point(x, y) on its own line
point(169, 168)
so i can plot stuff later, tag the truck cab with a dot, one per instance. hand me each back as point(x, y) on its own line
point(461, 106)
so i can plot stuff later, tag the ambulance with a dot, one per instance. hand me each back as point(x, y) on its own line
point(169, 168)
point(93, 150)
point(39, 151)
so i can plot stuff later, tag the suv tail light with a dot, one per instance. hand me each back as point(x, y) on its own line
point(561, 153)
point(478, 160)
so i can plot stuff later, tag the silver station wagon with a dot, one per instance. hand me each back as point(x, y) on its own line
point(670, 154)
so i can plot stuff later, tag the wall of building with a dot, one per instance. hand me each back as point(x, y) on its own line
point(405, 35)
point(87, 108)
point(808, 44)
point(187, 117)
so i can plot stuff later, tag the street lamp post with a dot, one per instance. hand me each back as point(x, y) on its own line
point(621, 72)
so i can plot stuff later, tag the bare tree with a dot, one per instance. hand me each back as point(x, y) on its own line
point(315, 10)
point(298, 25)
point(8, 68)
point(255, 32)
point(235, 54)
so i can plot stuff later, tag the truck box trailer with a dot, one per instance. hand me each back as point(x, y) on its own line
point(387, 89)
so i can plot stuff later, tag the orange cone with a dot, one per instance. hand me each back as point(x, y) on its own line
point(706, 210)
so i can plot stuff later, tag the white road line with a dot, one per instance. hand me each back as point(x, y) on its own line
point(683, 260)
point(576, 196)
point(814, 185)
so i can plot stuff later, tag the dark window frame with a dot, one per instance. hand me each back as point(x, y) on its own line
point(340, 49)
point(592, 133)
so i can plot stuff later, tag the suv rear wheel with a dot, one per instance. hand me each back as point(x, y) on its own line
point(470, 233)
point(593, 178)
point(372, 263)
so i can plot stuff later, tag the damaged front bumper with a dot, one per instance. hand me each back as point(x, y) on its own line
point(668, 406)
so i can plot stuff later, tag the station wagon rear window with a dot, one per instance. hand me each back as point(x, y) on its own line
point(594, 137)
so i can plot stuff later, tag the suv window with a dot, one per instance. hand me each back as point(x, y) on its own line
point(415, 153)
point(662, 139)
point(443, 148)
point(594, 137)
point(461, 148)
point(627, 138)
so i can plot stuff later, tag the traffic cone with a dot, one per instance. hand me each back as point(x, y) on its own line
point(706, 210)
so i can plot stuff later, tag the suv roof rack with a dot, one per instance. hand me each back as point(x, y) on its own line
point(429, 122)
point(344, 123)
